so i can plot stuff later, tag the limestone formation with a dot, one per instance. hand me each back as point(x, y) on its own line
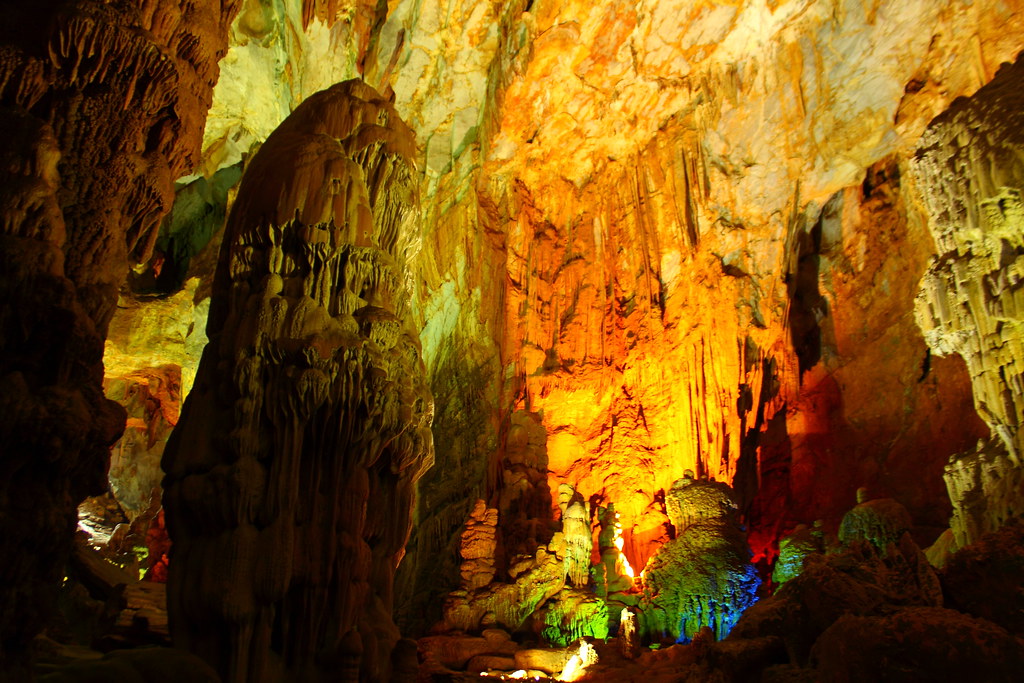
point(102, 107)
point(945, 645)
point(882, 522)
point(572, 614)
point(629, 636)
point(548, 588)
point(856, 581)
point(613, 575)
point(984, 578)
point(969, 170)
point(293, 465)
point(703, 577)
point(985, 487)
point(579, 539)
point(533, 580)
point(673, 234)
point(479, 544)
point(657, 238)
point(793, 550)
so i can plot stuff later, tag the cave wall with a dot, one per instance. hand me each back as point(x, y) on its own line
point(103, 106)
point(656, 237)
point(969, 162)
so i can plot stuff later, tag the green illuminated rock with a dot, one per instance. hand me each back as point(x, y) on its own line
point(703, 577)
point(574, 614)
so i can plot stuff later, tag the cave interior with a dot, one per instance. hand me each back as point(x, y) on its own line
point(409, 340)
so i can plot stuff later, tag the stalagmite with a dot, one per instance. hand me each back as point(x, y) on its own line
point(579, 540)
point(703, 577)
point(479, 543)
point(629, 636)
point(293, 465)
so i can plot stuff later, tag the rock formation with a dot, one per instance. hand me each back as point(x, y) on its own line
point(579, 539)
point(881, 522)
point(479, 546)
point(968, 166)
point(793, 550)
point(533, 580)
point(771, 243)
point(703, 577)
point(622, 258)
point(293, 465)
point(102, 106)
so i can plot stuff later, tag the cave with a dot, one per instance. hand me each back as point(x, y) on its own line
point(439, 341)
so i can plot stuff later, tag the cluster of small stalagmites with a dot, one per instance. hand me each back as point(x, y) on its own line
point(532, 581)
point(972, 301)
point(703, 576)
point(293, 465)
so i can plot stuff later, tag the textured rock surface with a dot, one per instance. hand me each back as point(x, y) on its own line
point(881, 522)
point(293, 466)
point(659, 236)
point(969, 167)
point(702, 578)
point(670, 234)
point(159, 665)
point(984, 578)
point(856, 581)
point(102, 107)
point(921, 643)
point(479, 544)
point(793, 549)
point(533, 580)
point(447, 652)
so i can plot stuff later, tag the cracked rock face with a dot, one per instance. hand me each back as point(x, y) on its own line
point(293, 465)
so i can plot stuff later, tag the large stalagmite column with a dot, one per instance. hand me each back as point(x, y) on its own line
point(290, 475)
